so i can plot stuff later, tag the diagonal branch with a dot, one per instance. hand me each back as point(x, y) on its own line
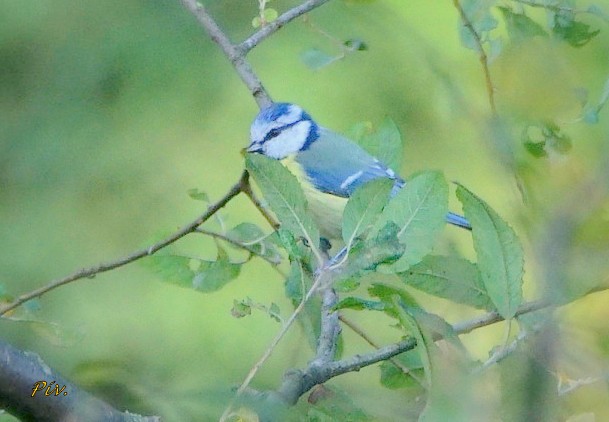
point(272, 27)
point(234, 55)
point(483, 57)
point(29, 389)
point(103, 267)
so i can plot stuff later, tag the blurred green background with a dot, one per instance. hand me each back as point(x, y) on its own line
point(110, 111)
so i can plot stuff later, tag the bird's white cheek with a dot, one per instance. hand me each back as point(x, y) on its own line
point(288, 142)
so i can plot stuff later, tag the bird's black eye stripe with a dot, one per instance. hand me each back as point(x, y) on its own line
point(273, 133)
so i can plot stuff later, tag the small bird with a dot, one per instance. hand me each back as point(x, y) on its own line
point(329, 166)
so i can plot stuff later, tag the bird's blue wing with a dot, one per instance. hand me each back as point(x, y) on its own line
point(338, 166)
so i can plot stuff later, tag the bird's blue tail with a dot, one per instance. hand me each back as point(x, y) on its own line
point(458, 221)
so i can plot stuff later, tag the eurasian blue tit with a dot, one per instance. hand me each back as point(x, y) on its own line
point(328, 166)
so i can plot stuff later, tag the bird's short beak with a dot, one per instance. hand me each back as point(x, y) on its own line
point(252, 148)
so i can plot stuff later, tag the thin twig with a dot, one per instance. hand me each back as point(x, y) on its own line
point(272, 27)
point(247, 189)
point(555, 7)
point(236, 57)
point(267, 353)
point(103, 267)
point(238, 244)
point(483, 57)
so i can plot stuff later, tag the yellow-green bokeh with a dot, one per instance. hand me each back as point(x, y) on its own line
point(111, 110)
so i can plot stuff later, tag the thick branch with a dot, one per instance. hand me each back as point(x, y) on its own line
point(100, 268)
point(236, 57)
point(329, 330)
point(55, 399)
point(298, 382)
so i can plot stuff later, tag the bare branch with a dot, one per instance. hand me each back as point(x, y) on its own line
point(236, 57)
point(483, 57)
point(329, 330)
point(29, 389)
point(247, 189)
point(103, 267)
point(248, 248)
point(272, 27)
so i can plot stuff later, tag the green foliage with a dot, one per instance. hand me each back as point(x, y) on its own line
point(359, 304)
point(451, 278)
point(316, 59)
point(364, 207)
point(539, 139)
point(520, 26)
point(590, 115)
point(482, 22)
point(202, 275)
point(297, 283)
point(384, 142)
point(393, 375)
point(266, 16)
point(284, 195)
point(566, 27)
point(244, 307)
point(365, 256)
point(500, 255)
point(198, 195)
point(418, 210)
point(330, 404)
point(213, 275)
point(252, 237)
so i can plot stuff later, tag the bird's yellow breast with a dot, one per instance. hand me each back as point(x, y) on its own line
point(326, 209)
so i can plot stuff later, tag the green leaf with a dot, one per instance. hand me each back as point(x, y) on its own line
point(386, 292)
point(297, 283)
point(576, 33)
point(241, 308)
point(451, 278)
point(316, 59)
point(252, 236)
point(212, 276)
point(330, 404)
point(520, 26)
point(424, 341)
point(366, 256)
point(356, 44)
point(198, 195)
point(269, 15)
point(393, 377)
point(500, 255)
point(4, 296)
point(591, 114)
point(419, 210)
point(285, 197)
point(348, 284)
point(480, 17)
point(542, 138)
point(358, 304)
point(364, 207)
point(384, 143)
point(173, 268)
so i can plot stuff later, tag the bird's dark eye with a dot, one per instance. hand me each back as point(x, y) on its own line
point(273, 133)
